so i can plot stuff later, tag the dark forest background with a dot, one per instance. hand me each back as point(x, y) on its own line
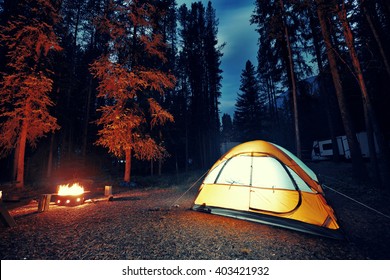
point(322, 71)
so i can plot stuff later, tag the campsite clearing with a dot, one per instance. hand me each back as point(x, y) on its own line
point(141, 224)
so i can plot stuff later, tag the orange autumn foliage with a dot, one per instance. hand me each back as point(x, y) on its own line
point(25, 87)
point(127, 83)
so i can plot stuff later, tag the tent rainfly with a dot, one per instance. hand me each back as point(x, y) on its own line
point(263, 182)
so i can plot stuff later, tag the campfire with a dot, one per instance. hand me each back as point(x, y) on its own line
point(70, 195)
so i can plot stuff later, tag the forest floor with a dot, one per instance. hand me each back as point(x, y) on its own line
point(152, 220)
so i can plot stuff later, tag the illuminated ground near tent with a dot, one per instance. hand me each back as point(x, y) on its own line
point(139, 224)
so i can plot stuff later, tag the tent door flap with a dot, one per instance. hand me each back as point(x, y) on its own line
point(273, 200)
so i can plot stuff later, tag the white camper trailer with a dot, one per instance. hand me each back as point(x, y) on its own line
point(322, 150)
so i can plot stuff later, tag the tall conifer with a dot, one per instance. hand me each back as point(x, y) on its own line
point(248, 109)
point(128, 76)
point(24, 89)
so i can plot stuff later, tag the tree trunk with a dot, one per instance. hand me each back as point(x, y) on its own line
point(275, 115)
point(177, 168)
point(369, 113)
point(187, 157)
point(376, 36)
point(127, 165)
point(86, 121)
point(293, 85)
point(16, 158)
point(159, 166)
point(21, 153)
point(359, 169)
point(50, 158)
point(342, 14)
point(324, 95)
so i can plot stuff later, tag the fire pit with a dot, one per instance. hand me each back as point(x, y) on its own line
point(70, 200)
point(70, 195)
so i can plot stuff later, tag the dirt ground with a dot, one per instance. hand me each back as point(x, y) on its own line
point(153, 221)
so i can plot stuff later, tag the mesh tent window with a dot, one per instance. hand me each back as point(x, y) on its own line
point(256, 171)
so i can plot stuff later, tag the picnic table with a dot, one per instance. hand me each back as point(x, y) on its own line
point(5, 217)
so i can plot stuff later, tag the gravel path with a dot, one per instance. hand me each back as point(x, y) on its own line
point(141, 224)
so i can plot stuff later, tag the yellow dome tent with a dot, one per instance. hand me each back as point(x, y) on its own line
point(263, 182)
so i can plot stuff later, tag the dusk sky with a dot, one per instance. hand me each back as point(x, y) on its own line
point(240, 37)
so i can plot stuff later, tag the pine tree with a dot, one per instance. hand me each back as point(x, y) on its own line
point(70, 81)
point(248, 109)
point(213, 62)
point(370, 14)
point(200, 59)
point(281, 25)
point(128, 77)
point(359, 168)
point(370, 118)
point(25, 87)
point(227, 128)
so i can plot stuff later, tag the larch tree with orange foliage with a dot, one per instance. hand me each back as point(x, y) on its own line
point(129, 77)
point(24, 88)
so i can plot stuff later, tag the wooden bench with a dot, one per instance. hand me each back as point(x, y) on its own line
point(6, 218)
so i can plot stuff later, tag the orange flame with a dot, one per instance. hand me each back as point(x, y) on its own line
point(74, 189)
